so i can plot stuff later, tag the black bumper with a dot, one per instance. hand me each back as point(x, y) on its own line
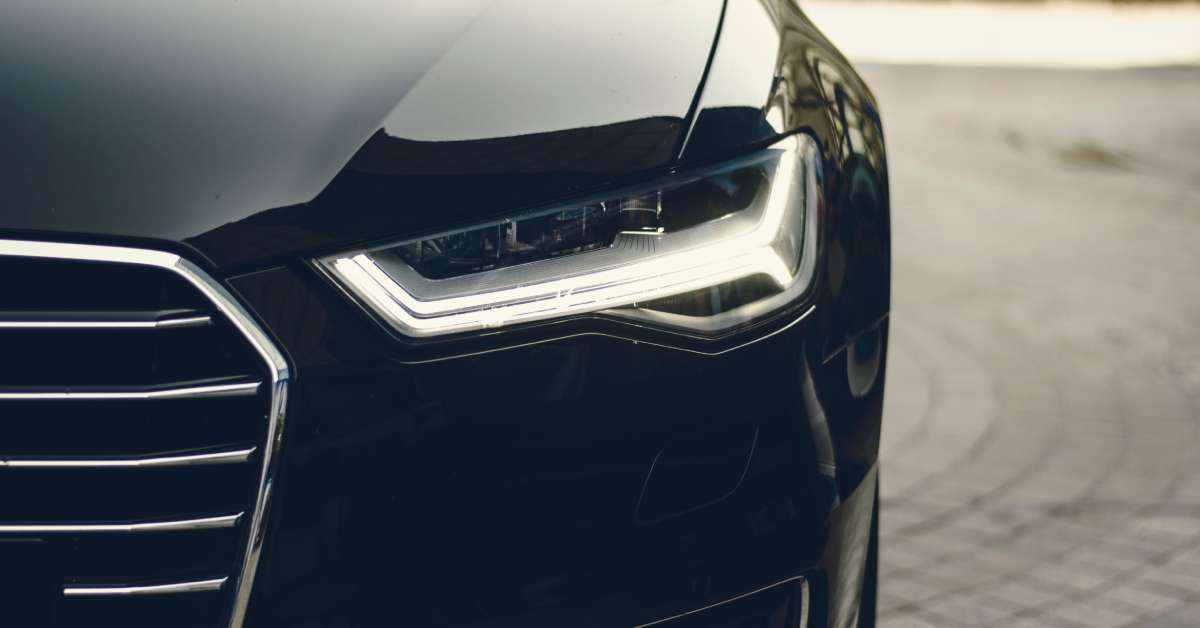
point(589, 480)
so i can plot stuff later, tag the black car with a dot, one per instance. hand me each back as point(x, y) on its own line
point(429, 313)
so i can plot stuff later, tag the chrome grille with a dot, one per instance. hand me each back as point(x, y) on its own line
point(140, 413)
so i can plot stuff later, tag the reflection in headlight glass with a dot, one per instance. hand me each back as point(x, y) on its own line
point(703, 251)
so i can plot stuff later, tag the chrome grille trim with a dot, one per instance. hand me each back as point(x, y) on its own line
point(99, 321)
point(195, 586)
point(192, 321)
point(181, 392)
point(245, 324)
point(173, 525)
point(234, 456)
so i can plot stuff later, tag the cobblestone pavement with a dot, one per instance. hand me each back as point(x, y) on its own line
point(1041, 454)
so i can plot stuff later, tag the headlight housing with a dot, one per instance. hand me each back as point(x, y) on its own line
point(702, 251)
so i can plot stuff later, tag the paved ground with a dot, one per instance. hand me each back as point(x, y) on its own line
point(1042, 435)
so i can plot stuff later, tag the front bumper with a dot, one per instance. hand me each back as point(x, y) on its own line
point(589, 480)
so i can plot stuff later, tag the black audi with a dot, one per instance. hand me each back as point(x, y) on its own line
point(426, 313)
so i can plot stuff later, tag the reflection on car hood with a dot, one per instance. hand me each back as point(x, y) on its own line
point(231, 126)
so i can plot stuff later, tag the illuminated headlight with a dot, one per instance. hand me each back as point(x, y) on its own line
point(702, 251)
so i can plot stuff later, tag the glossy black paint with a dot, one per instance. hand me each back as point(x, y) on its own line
point(514, 487)
point(256, 130)
point(774, 72)
point(583, 473)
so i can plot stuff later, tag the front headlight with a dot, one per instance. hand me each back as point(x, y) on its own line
point(702, 251)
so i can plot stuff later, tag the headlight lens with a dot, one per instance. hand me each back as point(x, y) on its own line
point(703, 251)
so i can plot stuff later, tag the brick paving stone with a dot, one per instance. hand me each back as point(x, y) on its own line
point(1148, 602)
point(1093, 615)
point(1037, 622)
point(1001, 560)
point(902, 556)
point(1036, 542)
point(887, 603)
point(1059, 575)
point(1026, 594)
point(910, 619)
point(1187, 617)
point(1181, 576)
point(1012, 514)
point(971, 609)
point(962, 574)
point(1042, 415)
point(1093, 558)
point(1134, 549)
point(1065, 526)
point(1190, 554)
point(1155, 545)
point(899, 519)
point(979, 527)
point(1132, 490)
point(1167, 527)
point(1188, 487)
point(937, 543)
point(911, 588)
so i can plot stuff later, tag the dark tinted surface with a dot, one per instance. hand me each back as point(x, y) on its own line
point(516, 487)
point(502, 489)
point(49, 431)
point(671, 205)
point(168, 120)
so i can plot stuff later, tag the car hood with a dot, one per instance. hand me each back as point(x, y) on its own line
point(254, 130)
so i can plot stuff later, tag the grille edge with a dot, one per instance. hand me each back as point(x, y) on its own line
point(276, 366)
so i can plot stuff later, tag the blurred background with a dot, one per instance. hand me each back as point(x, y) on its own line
point(1041, 454)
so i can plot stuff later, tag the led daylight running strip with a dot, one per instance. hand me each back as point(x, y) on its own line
point(724, 258)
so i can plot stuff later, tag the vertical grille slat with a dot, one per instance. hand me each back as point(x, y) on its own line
point(140, 411)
